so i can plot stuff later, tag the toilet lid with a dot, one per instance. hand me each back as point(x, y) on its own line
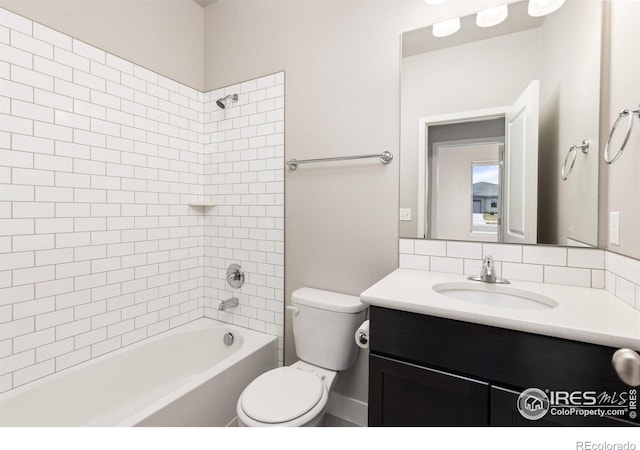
point(281, 395)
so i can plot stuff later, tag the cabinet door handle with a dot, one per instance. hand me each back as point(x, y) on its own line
point(627, 364)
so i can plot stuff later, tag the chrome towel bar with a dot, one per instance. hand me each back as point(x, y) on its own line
point(385, 158)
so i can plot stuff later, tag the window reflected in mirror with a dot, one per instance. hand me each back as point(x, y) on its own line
point(485, 194)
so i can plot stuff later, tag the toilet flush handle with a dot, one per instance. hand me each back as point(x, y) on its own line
point(293, 310)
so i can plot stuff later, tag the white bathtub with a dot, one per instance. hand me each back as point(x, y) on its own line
point(184, 377)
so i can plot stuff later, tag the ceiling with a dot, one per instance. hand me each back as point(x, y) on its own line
point(204, 3)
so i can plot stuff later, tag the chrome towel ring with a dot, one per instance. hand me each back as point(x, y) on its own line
point(624, 113)
point(572, 153)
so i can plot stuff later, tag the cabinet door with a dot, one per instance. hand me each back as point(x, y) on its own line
point(402, 394)
point(504, 413)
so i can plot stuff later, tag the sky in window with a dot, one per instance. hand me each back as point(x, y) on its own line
point(486, 173)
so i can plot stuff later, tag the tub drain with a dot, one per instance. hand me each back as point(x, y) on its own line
point(228, 339)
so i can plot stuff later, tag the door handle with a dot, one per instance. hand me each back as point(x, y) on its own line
point(627, 365)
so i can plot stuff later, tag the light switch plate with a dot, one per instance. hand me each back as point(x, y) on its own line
point(405, 214)
point(614, 228)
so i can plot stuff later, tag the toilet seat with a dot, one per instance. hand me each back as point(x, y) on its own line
point(287, 396)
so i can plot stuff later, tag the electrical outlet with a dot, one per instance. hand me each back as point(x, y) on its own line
point(405, 214)
point(614, 228)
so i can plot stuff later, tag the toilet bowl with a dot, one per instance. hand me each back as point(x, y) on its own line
point(292, 396)
point(324, 324)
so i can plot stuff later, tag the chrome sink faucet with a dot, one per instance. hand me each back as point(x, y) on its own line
point(488, 272)
point(228, 303)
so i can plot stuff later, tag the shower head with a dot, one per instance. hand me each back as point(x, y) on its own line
point(225, 101)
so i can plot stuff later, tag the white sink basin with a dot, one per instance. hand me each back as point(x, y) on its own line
point(495, 295)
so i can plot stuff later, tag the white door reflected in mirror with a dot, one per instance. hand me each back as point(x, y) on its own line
point(505, 138)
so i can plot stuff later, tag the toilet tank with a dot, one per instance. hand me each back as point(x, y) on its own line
point(324, 327)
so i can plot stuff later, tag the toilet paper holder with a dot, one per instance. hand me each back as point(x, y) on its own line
point(362, 337)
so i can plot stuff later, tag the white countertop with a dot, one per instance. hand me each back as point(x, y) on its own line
point(582, 314)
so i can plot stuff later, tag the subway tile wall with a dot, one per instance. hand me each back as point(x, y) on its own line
point(99, 161)
point(623, 278)
point(582, 267)
point(244, 177)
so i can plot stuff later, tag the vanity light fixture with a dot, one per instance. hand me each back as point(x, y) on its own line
point(446, 28)
point(539, 8)
point(434, 2)
point(492, 16)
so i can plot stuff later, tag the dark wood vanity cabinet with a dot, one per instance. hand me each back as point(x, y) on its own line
point(429, 371)
point(405, 395)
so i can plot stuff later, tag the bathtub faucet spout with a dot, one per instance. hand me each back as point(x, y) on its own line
point(228, 303)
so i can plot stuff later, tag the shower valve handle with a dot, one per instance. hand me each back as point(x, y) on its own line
point(235, 276)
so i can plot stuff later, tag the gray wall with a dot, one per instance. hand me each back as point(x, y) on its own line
point(342, 63)
point(166, 36)
point(620, 183)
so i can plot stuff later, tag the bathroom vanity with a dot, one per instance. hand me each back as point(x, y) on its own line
point(503, 103)
point(440, 361)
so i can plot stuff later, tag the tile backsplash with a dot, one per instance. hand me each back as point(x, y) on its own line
point(582, 267)
point(623, 278)
point(99, 161)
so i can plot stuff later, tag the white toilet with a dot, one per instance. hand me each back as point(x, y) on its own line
point(324, 324)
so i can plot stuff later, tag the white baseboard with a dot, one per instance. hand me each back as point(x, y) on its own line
point(349, 409)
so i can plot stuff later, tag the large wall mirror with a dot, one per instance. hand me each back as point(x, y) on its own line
point(490, 115)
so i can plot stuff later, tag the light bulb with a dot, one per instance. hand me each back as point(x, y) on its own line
point(446, 28)
point(539, 8)
point(492, 17)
